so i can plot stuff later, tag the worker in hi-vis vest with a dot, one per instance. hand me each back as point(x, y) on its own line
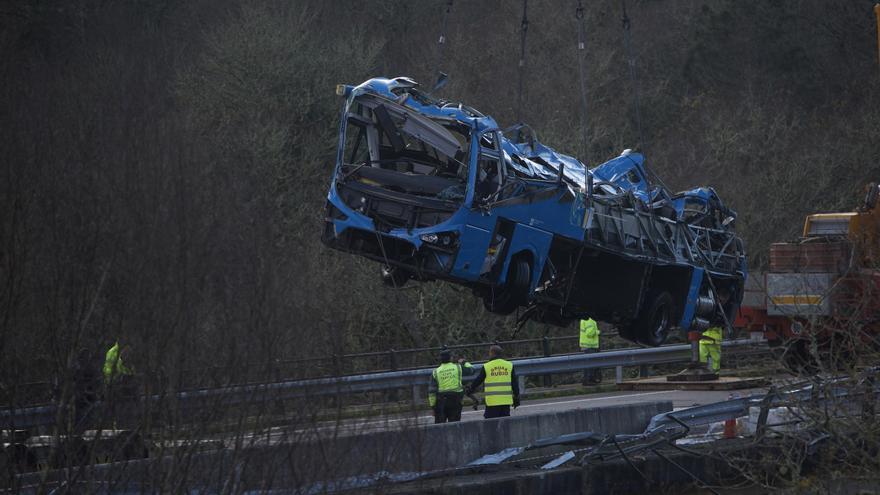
point(501, 387)
point(445, 391)
point(117, 379)
point(113, 369)
point(710, 341)
point(589, 343)
point(710, 348)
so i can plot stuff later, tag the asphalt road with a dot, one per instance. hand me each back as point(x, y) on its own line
point(680, 399)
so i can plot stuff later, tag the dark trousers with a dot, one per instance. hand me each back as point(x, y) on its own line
point(592, 375)
point(496, 412)
point(448, 407)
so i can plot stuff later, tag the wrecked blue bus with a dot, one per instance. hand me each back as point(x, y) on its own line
point(435, 190)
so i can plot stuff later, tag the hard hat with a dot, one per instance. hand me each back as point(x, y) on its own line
point(445, 355)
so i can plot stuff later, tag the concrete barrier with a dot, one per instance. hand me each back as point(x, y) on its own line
point(310, 459)
point(435, 447)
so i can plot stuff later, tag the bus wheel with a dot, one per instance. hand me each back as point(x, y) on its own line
point(515, 291)
point(654, 321)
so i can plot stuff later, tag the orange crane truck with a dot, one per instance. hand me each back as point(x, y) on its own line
point(821, 296)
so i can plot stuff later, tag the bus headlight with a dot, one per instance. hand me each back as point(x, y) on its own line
point(442, 239)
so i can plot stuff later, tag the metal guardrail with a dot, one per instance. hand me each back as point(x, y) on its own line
point(27, 417)
point(567, 363)
point(376, 382)
point(400, 359)
point(331, 365)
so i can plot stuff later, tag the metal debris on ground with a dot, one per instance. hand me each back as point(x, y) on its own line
point(498, 457)
point(555, 463)
point(672, 430)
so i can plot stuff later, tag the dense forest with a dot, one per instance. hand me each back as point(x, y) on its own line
point(166, 161)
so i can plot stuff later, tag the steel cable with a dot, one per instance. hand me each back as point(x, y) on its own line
point(441, 41)
point(631, 62)
point(524, 29)
point(579, 15)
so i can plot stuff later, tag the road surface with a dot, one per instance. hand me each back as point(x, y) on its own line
point(680, 399)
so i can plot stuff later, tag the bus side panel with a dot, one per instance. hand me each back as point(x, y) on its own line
point(474, 243)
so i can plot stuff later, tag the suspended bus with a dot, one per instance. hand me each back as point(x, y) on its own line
point(435, 190)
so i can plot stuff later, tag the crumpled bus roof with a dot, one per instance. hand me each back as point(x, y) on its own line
point(543, 160)
point(520, 146)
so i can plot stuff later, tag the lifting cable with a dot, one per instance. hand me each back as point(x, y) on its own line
point(524, 29)
point(441, 41)
point(634, 81)
point(631, 61)
point(579, 15)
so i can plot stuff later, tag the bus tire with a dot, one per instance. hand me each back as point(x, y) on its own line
point(655, 320)
point(514, 293)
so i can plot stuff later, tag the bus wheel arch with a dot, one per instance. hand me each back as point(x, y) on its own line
point(504, 299)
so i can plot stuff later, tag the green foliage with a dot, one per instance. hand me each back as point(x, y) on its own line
point(261, 94)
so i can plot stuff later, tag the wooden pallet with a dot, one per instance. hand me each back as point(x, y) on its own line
point(723, 383)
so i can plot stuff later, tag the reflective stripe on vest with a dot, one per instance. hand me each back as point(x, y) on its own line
point(498, 388)
point(448, 377)
point(589, 334)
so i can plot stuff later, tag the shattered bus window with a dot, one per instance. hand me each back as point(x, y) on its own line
point(390, 147)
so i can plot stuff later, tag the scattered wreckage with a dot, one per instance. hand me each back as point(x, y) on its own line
point(434, 190)
point(744, 429)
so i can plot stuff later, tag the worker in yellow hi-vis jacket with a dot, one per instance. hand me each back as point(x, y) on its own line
point(589, 343)
point(114, 369)
point(502, 386)
point(446, 391)
point(710, 348)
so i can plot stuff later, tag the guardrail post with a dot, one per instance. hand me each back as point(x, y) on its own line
point(869, 398)
point(278, 404)
point(337, 372)
point(618, 374)
point(416, 395)
point(522, 384)
point(545, 343)
point(337, 365)
point(761, 427)
point(392, 365)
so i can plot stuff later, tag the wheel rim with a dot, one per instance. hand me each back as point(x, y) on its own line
point(661, 321)
point(514, 292)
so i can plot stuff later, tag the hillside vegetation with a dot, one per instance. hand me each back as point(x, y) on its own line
point(166, 162)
